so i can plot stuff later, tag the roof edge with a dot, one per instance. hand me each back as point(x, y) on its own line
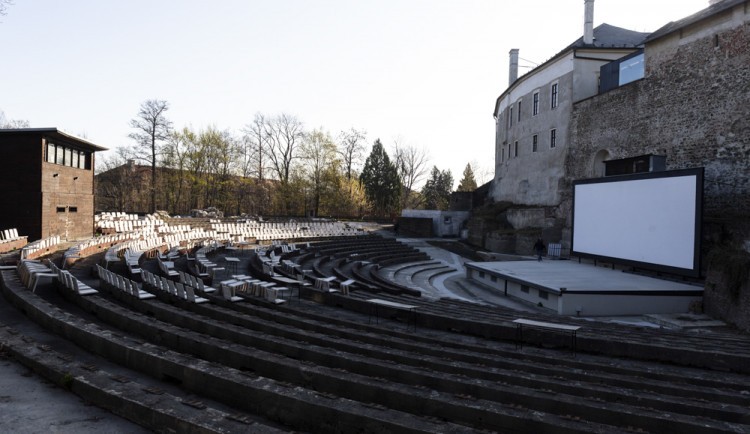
point(54, 131)
point(699, 16)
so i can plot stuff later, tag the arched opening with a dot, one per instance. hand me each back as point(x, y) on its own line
point(597, 168)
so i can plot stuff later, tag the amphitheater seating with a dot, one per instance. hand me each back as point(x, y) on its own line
point(317, 368)
point(167, 267)
point(346, 286)
point(69, 281)
point(9, 234)
point(32, 271)
point(40, 248)
point(122, 283)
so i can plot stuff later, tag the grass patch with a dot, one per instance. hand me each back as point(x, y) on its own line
point(66, 381)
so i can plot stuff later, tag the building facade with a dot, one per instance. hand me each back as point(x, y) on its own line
point(532, 116)
point(47, 183)
point(692, 107)
point(680, 93)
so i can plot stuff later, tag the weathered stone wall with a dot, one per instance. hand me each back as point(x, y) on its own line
point(693, 107)
point(727, 292)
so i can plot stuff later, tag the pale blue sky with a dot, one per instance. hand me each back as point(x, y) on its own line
point(425, 71)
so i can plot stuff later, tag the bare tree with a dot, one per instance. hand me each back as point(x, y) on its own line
point(152, 127)
point(319, 153)
point(351, 148)
point(117, 182)
point(12, 124)
point(4, 4)
point(256, 146)
point(411, 163)
point(482, 173)
point(284, 133)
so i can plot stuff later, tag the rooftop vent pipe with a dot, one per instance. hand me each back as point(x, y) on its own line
point(513, 69)
point(588, 22)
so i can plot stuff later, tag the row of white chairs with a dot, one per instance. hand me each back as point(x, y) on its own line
point(284, 231)
point(255, 287)
point(204, 266)
point(166, 228)
point(167, 268)
point(9, 235)
point(129, 224)
point(195, 282)
point(31, 250)
point(115, 215)
point(31, 272)
point(92, 245)
point(69, 281)
point(122, 283)
point(178, 289)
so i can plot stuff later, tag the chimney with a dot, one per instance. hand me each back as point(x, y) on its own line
point(513, 70)
point(588, 22)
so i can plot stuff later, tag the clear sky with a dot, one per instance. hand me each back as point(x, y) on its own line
point(425, 71)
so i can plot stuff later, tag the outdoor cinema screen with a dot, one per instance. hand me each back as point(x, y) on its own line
point(649, 220)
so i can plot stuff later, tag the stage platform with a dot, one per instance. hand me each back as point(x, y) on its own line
point(570, 288)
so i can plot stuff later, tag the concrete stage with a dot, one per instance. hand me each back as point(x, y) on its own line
point(570, 288)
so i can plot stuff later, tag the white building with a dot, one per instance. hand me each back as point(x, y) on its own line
point(532, 115)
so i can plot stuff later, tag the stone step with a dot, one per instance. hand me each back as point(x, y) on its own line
point(283, 402)
point(149, 406)
point(642, 395)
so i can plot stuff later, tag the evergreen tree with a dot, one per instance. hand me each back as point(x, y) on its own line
point(468, 183)
point(437, 190)
point(381, 181)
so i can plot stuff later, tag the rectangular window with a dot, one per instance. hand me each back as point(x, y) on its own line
point(519, 111)
point(72, 209)
point(59, 155)
point(543, 295)
point(50, 153)
point(481, 274)
point(515, 149)
point(525, 289)
point(510, 117)
point(60, 209)
point(632, 69)
point(508, 152)
point(535, 108)
point(553, 138)
point(493, 278)
point(534, 142)
point(81, 160)
point(68, 157)
point(554, 95)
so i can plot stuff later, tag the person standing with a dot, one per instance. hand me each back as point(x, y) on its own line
point(539, 247)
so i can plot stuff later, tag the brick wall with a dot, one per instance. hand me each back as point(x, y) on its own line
point(67, 203)
point(30, 194)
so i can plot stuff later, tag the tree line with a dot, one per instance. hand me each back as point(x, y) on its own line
point(275, 166)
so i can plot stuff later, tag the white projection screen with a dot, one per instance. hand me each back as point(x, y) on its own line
point(648, 220)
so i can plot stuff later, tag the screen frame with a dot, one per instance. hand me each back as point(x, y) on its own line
point(695, 271)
